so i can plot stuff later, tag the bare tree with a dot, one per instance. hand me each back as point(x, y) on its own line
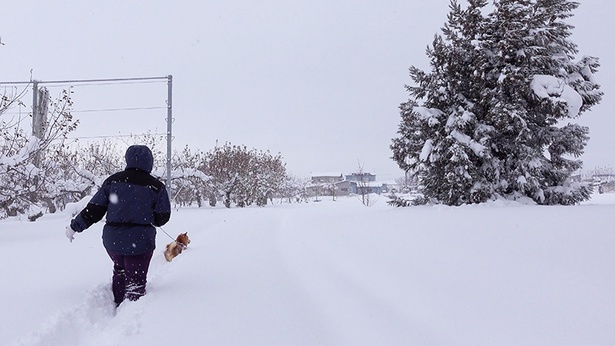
point(294, 189)
point(245, 176)
point(29, 170)
point(363, 186)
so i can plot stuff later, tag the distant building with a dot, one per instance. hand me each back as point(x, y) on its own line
point(327, 184)
point(601, 182)
point(326, 178)
point(604, 183)
point(337, 184)
point(364, 183)
point(344, 188)
point(363, 177)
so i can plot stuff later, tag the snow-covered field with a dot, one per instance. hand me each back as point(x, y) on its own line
point(328, 273)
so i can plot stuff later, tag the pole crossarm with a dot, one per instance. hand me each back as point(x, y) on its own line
point(169, 78)
point(69, 81)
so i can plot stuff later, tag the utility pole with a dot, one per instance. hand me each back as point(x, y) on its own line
point(40, 99)
point(35, 119)
point(169, 130)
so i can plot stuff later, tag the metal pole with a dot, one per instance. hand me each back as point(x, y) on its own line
point(169, 130)
point(35, 122)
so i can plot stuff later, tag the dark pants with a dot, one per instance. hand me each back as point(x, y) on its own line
point(129, 276)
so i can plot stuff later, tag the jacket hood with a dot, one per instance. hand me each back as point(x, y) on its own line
point(139, 157)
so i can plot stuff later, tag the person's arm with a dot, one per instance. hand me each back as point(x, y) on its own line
point(93, 212)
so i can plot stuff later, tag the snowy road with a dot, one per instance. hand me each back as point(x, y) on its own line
point(329, 273)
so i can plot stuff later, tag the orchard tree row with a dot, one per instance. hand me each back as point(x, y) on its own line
point(40, 175)
point(233, 175)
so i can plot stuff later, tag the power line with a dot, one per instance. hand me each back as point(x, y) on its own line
point(116, 109)
point(115, 136)
point(113, 83)
point(129, 109)
point(104, 83)
point(15, 83)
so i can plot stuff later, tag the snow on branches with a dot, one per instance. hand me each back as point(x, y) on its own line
point(556, 91)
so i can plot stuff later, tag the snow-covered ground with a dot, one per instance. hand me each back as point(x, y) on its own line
point(328, 273)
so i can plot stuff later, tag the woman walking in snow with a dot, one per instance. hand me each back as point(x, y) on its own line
point(135, 202)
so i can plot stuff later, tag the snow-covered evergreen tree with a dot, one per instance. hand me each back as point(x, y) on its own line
point(534, 86)
point(488, 120)
point(441, 139)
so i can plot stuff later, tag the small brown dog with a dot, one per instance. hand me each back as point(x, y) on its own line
point(176, 247)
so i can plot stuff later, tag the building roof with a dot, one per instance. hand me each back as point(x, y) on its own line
point(326, 174)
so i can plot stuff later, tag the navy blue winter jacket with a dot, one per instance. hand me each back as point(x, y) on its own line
point(134, 202)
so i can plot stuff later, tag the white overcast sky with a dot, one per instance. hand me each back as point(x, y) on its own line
point(318, 81)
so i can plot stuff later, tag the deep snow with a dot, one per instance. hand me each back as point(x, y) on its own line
point(328, 273)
